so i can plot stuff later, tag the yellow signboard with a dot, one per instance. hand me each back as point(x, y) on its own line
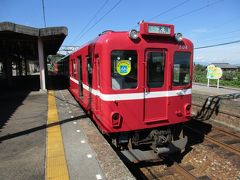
point(123, 67)
point(214, 72)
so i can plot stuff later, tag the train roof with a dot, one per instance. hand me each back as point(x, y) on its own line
point(147, 31)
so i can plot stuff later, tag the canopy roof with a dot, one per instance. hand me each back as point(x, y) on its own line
point(22, 41)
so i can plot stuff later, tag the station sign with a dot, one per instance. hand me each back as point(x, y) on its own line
point(214, 72)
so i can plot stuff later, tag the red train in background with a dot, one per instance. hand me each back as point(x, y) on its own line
point(136, 85)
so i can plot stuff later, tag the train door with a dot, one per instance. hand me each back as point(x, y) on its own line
point(181, 82)
point(80, 75)
point(97, 62)
point(89, 80)
point(155, 94)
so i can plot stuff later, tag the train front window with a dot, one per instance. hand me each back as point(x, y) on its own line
point(124, 69)
point(181, 69)
point(155, 68)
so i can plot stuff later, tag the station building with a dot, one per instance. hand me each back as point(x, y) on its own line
point(23, 54)
point(226, 66)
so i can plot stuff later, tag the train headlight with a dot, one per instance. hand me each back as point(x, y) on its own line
point(116, 119)
point(178, 37)
point(133, 34)
point(187, 110)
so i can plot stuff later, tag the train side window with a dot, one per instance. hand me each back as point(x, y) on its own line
point(80, 76)
point(181, 69)
point(2, 72)
point(89, 70)
point(124, 65)
point(74, 68)
point(155, 68)
point(73, 71)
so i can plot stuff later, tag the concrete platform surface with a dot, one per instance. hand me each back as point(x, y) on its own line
point(203, 89)
point(25, 138)
point(23, 118)
point(96, 159)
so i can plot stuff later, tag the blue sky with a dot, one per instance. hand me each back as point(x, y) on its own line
point(205, 22)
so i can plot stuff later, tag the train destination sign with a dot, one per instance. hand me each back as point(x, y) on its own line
point(159, 29)
point(124, 67)
point(153, 29)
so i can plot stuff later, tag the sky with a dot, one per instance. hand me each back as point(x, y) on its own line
point(204, 22)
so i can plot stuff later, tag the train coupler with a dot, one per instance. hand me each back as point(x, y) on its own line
point(174, 146)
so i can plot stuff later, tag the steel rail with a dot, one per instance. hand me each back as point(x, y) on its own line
point(218, 143)
point(226, 132)
point(182, 171)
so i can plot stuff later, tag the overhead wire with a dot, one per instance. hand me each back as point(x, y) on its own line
point(168, 10)
point(91, 20)
point(219, 35)
point(100, 19)
point(216, 39)
point(215, 45)
point(195, 10)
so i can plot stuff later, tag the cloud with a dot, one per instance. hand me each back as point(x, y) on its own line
point(200, 58)
point(229, 53)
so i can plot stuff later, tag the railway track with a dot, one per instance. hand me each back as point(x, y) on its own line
point(226, 132)
point(169, 168)
point(182, 171)
point(223, 145)
point(175, 170)
point(220, 111)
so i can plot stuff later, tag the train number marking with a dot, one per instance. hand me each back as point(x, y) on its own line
point(183, 47)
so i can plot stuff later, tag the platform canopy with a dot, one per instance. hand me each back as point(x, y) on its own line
point(23, 47)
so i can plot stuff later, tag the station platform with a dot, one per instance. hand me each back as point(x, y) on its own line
point(198, 88)
point(46, 135)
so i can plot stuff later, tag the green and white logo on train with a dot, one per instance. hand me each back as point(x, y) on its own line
point(124, 67)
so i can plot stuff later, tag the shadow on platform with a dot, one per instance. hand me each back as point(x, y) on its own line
point(10, 100)
point(44, 126)
point(57, 82)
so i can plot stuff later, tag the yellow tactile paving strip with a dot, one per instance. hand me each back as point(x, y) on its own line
point(56, 166)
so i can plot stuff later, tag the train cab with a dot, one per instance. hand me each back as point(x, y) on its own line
point(136, 84)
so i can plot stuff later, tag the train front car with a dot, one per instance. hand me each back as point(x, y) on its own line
point(143, 87)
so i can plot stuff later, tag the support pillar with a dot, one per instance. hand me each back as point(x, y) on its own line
point(41, 64)
point(8, 63)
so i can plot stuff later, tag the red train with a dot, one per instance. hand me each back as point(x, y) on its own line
point(136, 85)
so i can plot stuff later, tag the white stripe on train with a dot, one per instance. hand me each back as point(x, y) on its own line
point(134, 96)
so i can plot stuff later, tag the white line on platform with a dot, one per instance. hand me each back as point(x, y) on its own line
point(89, 156)
point(74, 122)
point(72, 116)
point(98, 176)
point(82, 141)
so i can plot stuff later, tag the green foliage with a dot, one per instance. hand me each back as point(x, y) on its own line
point(231, 79)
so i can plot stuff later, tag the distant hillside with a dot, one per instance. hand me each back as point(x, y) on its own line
point(203, 63)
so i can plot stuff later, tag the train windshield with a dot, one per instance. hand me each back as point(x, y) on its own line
point(181, 71)
point(124, 69)
point(155, 68)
